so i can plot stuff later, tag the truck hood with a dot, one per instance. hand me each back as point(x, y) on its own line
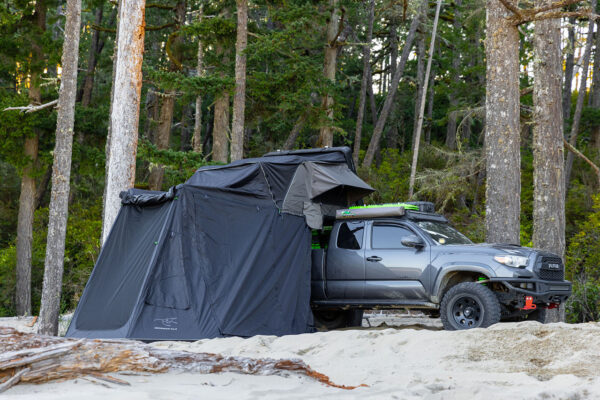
point(491, 249)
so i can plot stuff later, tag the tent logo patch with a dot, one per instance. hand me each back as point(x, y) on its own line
point(166, 324)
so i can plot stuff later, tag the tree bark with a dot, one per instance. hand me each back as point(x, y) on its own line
point(197, 137)
point(595, 92)
point(96, 46)
point(548, 178)
point(25, 225)
point(364, 82)
point(453, 97)
point(163, 133)
point(61, 173)
point(293, 136)
point(389, 99)
point(329, 66)
point(430, 97)
point(27, 196)
point(239, 96)
point(372, 102)
point(221, 125)
point(413, 169)
point(419, 77)
point(125, 108)
point(502, 131)
point(580, 98)
point(569, 66)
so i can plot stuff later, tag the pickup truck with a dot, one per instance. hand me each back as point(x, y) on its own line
point(408, 257)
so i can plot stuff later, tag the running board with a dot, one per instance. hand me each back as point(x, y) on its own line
point(374, 304)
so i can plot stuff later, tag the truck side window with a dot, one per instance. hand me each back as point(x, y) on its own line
point(350, 235)
point(388, 236)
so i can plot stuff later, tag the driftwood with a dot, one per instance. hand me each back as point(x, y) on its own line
point(26, 357)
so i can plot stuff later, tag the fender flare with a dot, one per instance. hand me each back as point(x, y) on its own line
point(458, 267)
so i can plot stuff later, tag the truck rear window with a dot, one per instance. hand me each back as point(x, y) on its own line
point(350, 235)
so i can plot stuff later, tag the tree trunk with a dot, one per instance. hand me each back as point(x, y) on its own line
point(326, 131)
point(163, 133)
point(372, 102)
point(85, 95)
point(580, 98)
point(389, 99)
point(595, 93)
point(419, 77)
point(25, 225)
point(364, 82)
point(221, 125)
point(502, 131)
point(430, 96)
point(61, 173)
point(569, 66)
point(197, 137)
point(548, 178)
point(413, 169)
point(27, 196)
point(239, 97)
point(125, 108)
point(453, 96)
point(162, 137)
point(293, 136)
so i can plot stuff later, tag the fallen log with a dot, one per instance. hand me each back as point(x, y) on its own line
point(31, 358)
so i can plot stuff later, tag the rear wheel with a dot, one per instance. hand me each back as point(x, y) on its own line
point(469, 305)
point(337, 319)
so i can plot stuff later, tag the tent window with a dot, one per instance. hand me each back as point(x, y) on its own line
point(350, 235)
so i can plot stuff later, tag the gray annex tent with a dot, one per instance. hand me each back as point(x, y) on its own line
point(226, 253)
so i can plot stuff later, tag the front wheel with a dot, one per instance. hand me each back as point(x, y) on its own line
point(469, 305)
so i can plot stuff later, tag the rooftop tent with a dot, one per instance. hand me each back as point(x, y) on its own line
point(319, 188)
point(215, 256)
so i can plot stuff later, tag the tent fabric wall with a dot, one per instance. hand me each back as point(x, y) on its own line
point(212, 257)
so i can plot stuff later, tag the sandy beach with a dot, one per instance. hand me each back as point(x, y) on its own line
point(396, 358)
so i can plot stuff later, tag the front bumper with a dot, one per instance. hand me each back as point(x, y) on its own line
point(543, 292)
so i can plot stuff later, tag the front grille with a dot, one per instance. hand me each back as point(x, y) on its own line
point(548, 270)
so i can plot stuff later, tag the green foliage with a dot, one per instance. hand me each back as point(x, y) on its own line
point(582, 260)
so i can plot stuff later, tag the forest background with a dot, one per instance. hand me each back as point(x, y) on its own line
point(307, 85)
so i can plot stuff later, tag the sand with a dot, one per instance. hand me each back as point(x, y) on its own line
point(412, 359)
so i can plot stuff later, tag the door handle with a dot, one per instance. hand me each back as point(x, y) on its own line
point(374, 258)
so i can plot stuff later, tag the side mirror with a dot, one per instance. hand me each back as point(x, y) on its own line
point(413, 241)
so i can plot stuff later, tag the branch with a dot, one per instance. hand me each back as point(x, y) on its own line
point(147, 28)
point(526, 90)
point(103, 29)
point(159, 27)
point(514, 9)
point(584, 158)
point(554, 6)
point(31, 108)
point(161, 6)
point(582, 14)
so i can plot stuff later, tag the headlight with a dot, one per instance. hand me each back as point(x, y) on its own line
point(512, 261)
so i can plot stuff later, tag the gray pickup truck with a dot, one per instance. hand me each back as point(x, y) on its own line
point(407, 256)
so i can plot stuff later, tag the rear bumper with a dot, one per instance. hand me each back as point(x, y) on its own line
point(542, 291)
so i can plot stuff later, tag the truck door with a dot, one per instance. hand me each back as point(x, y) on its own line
point(392, 270)
point(346, 261)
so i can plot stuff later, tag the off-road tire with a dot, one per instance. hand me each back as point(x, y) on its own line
point(337, 319)
point(469, 305)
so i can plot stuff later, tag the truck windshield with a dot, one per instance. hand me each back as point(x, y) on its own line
point(443, 233)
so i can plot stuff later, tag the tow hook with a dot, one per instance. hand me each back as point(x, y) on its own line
point(529, 303)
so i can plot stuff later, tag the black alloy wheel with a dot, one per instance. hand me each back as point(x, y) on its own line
point(469, 305)
point(467, 312)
